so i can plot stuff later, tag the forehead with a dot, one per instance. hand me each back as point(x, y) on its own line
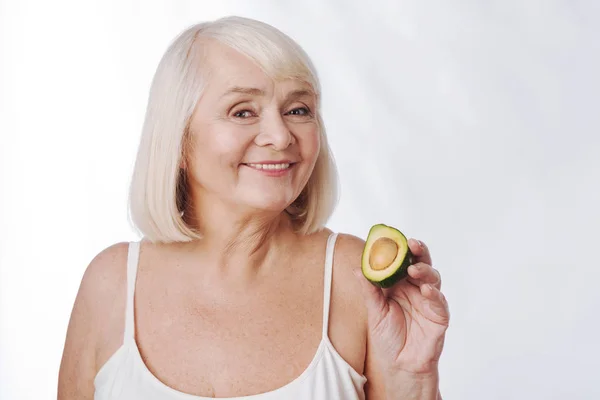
point(228, 68)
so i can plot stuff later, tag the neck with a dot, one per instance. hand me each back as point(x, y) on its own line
point(238, 240)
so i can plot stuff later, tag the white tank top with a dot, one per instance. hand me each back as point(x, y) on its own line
point(328, 376)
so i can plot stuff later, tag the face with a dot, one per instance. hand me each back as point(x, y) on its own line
point(255, 141)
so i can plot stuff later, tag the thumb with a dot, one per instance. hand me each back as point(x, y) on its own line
point(375, 300)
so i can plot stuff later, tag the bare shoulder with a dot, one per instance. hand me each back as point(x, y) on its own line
point(347, 258)
point(106, 268)
point(349, 249)
point(94, 316)
point(347, 329)
point(103, 283)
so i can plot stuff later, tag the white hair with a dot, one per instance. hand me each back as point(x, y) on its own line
point(158, 193)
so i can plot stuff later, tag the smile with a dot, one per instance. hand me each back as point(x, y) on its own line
point(270, 167)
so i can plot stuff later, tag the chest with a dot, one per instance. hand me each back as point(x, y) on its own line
point(229, 344)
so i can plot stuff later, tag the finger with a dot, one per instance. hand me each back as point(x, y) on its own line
point(436, 303)
point(420, 251)
point(421, 273)
point(375, 301)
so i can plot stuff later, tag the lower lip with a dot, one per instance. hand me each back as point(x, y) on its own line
point(272, 172)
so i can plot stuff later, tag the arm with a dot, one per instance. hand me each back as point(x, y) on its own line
point(375, 387)
point(348, 254)
point(410, 387)
point(384, 380)
point(79, 362)
point(406, 325)
point(402, 386)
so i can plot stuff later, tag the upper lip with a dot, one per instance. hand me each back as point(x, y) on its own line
point(271, 162)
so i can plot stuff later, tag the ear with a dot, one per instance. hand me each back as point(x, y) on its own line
point(183, 163)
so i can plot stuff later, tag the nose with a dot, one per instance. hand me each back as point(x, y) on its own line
point(274, 132)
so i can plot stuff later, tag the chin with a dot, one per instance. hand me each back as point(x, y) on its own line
point(267, 203)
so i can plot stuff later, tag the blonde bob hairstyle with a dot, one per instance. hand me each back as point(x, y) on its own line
point(158, 193)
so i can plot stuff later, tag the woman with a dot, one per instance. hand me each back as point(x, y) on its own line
point(237, 289)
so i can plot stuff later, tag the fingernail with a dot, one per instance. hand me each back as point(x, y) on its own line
point(418, 242)
point(421, 244)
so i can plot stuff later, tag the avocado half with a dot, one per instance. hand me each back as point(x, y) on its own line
point(386, 256)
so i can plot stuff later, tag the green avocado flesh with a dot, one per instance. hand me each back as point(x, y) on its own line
point(386, 256)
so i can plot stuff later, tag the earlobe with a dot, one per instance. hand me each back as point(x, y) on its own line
point(183, 164)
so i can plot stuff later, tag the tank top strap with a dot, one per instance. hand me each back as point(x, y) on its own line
point(327, 281)
point(133, 254)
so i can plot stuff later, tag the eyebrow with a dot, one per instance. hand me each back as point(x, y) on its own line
point(259, 92)
point(244, 90)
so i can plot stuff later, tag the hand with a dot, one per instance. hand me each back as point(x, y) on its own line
point(408, 322)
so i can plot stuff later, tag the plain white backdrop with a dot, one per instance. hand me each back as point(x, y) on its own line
point(474, 126)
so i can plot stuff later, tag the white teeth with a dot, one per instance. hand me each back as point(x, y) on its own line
point(270, 166)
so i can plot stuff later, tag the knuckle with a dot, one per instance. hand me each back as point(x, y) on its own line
point(443, 298)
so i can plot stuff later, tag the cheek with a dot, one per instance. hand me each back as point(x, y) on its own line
point(227, 143)
point(311, 145)
point(223, 147)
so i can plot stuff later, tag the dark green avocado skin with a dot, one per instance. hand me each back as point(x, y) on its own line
point(400, 274)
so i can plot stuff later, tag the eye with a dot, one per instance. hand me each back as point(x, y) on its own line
point(243, 114)
point(300, 111)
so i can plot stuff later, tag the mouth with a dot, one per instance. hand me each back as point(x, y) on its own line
point(270, 166)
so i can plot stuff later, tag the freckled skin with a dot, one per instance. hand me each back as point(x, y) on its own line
point(240, 311)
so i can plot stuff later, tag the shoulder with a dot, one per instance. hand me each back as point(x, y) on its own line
point(102, 288)
point(348, 314)
point(104, 275)
point(100, 294)
point(107, 260)
point(103, 293)
point(346, 261)
point(348, 249)
point(346, 256)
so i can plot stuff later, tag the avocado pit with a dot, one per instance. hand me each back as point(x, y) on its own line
point(383, 253)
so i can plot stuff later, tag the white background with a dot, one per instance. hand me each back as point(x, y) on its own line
point(473, 125)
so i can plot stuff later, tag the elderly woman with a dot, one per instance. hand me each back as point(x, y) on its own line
point(237, 289)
